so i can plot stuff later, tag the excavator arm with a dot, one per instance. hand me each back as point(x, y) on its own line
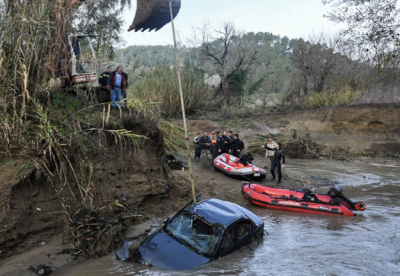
point(153, 14)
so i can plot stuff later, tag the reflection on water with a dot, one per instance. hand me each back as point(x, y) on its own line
point(304, 244)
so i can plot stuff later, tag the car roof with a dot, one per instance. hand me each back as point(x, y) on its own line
point(223, 212)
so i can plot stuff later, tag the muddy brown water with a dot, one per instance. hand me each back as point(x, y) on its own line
point(301, 244)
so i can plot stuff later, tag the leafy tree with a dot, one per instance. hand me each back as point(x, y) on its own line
point(102, 19)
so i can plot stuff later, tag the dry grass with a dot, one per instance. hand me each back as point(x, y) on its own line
point(331, 98)
point(381, 95)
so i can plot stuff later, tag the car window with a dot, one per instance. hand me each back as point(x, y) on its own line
point(199, 234)
point(241, 230)
point(232, 235)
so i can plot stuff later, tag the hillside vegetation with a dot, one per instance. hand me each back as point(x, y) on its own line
point(314, 73)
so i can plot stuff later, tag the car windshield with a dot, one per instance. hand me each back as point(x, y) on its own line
point(202, 236)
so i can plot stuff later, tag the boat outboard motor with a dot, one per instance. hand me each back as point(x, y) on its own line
point(246, 159)
point(336, 192)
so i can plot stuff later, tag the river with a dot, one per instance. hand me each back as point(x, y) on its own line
point(301, 244)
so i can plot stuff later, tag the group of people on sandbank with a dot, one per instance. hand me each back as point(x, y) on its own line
point(218, 143)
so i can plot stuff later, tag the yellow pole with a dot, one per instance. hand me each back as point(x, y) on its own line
point(178, 71)
point(182, 102)
point(191, 178)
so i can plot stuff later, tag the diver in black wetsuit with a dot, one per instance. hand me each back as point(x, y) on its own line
point(276, 163)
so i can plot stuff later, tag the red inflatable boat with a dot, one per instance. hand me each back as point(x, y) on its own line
point(333, 203)
point(239, 167)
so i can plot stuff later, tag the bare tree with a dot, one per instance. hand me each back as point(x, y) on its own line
point(372, 25)
point(225, 50)
point(316, 59)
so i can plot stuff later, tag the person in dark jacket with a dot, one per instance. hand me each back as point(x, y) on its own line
point(216, 153)
point(197, 147)
point(223, 144)
point(103, 79)
point(276, 163)
point(236, 146)
point(230, 136)
point(213, 145)
point(205, 142)
point(123, 92)
point(117, 82)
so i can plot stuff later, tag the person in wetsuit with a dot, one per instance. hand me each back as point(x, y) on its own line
point(276, 163)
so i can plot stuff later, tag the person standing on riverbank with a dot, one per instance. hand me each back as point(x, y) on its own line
point(278, 155)
point(117, 82)
point(217, 145)
point(205, 143)
point(270, 153)
point(230, 136)
point(223, 144)
point(213, 146)
point(103, 79)
point(197, 147)
point(236, 146)
point(123, 91)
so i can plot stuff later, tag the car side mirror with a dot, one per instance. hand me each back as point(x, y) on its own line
point(166, 220)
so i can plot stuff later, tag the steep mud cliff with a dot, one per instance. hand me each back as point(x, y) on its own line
point(32, 209)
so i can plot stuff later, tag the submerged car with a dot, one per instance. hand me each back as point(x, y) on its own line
point(200, 233)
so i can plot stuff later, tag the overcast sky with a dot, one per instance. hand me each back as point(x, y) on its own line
point(293, 18)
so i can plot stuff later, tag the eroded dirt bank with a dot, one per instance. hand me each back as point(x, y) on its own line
point(32, 225)
point(360, 130)
point(32, 210)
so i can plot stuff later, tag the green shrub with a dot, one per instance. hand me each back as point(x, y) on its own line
point(161, 85)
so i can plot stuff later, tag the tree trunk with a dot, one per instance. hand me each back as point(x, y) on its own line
point(226, 91)
point(305, 85)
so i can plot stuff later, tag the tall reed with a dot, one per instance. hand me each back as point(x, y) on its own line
point(55, 137)
point(161, 85)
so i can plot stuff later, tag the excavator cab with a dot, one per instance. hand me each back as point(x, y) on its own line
point(78, 66)
point(154, 14)
point(82, 59)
